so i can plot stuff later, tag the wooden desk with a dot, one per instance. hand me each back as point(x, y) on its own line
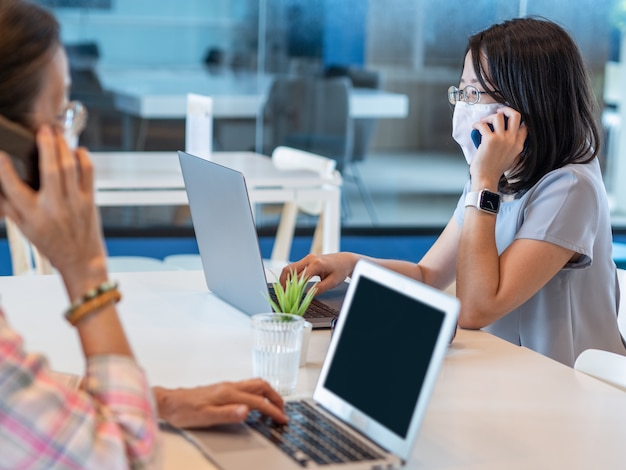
point(495, 405)
point(155, 178)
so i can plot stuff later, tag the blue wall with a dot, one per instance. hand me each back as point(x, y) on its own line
point(404, 247)
point(400, 247)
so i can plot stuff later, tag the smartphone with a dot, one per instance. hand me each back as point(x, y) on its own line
point(477, 137)
point(19, 143)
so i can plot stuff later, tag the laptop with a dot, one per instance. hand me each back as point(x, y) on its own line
point(228, 243)
point(372, 392)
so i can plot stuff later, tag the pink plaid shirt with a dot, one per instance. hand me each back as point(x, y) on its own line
point(111, 424)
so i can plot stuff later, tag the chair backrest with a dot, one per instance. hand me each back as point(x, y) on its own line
point(311, 114)
point(606, 366)
point(621, 311)
point(83, 58)
point(363, 128)
point(25, 258)
point(287, 158)
point(360, 78)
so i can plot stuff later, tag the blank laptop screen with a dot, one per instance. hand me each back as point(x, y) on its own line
point(382, 357)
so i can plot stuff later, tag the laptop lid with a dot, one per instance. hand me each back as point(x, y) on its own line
point(218, 196)
point(378, 375)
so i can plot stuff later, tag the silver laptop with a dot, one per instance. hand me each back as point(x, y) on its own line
point(228, 243)
point(372, 392)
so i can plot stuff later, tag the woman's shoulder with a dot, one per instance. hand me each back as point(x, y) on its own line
point(572, 184)
point(574, 175)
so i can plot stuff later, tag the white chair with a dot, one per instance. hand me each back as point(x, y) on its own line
point(184, 261)
point(603, 365)
point(621, 311)
point(287, 158)
point(193, 262)
point(122, 264)
point(25, 258)
point(284, 158)
point(607, 366)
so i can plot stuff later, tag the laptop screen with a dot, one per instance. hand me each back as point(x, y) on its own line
point(385, 354)
point(379, 364)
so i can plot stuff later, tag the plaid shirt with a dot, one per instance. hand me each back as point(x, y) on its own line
point(111, 424)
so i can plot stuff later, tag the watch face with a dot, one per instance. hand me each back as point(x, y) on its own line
point(489, 201)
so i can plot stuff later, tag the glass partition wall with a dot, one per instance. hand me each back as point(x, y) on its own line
point(401, 168)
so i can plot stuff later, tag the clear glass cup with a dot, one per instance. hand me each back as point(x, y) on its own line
point(277, 342)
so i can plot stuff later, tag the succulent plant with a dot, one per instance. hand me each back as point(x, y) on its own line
point(293, 298)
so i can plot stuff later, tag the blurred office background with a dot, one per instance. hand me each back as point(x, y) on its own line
point(412, 170)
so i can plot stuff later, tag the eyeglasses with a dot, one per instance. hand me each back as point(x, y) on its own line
point(73, 118)
point(470, 94)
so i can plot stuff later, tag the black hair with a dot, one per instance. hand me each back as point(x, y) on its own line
point(535, 67)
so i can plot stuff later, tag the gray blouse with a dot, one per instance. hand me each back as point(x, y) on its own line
point(577, 308)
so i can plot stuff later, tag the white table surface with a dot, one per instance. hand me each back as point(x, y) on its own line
point(155, 178)
point(495, 405)
point(161, 93)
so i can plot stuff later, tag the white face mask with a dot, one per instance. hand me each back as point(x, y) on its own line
point(463, 119)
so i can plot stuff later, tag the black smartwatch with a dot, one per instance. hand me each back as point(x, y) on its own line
point(483, 200)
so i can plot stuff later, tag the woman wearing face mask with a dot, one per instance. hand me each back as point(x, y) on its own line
point(529, 244)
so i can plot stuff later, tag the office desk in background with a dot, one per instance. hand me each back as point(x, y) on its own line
point(155, 178)
point(161, 93)
point(495, 405)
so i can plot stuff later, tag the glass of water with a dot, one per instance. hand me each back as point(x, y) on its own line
point(277, 341)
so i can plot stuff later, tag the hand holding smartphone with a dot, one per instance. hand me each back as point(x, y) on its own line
point(477, 136)
point(19, 142)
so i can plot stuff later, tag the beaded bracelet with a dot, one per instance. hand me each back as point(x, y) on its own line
point(92, 300)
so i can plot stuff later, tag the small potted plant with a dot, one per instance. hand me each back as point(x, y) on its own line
point(294, 299)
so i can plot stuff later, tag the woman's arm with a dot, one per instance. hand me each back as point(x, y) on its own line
point(436, 268)
point(62, 221)
point(490, 286)
point(112, 421)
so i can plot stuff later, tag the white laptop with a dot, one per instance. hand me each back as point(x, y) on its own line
point(228, 242)
point(374, 386)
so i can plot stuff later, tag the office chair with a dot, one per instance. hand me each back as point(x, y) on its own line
point(363, 128)
point(26, 259)
point(83, 58)
point(313, 114)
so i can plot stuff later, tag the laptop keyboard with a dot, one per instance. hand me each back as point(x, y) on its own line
point(316, 308)
point(310, 436)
